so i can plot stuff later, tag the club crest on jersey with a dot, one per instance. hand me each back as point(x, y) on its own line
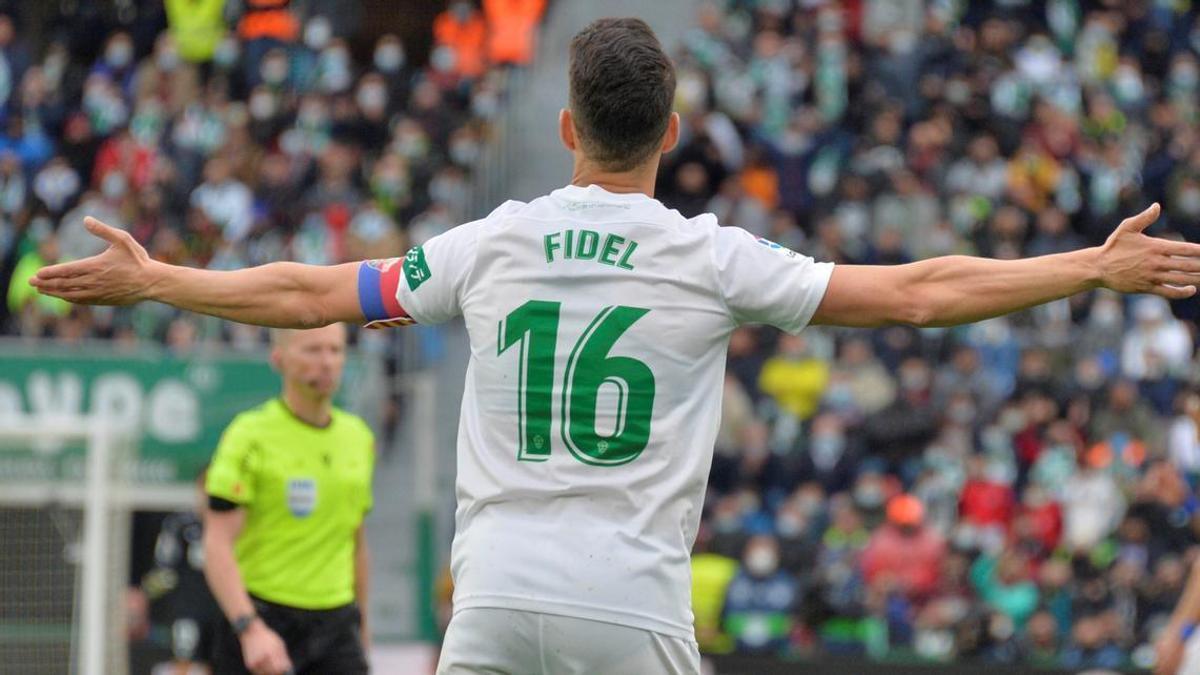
point(382, 265)
point(301, 496)
point(776, 247)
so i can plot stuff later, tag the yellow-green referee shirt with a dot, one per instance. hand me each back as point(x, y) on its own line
point(306, 490)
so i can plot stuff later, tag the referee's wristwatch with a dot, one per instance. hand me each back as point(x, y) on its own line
point(242, 623)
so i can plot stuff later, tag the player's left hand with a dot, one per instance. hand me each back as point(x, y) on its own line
point(1132, 262)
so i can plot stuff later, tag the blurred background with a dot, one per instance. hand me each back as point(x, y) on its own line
point(1019, 493)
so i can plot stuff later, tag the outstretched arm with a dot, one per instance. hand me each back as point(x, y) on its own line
point(280, 295)
point(960, 289)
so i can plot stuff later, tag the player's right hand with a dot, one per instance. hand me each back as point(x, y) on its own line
point(1168, 651)
point(1132, 262)
point(121, 275)
point(264, 651)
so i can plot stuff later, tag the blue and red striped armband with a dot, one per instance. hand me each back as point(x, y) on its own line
point(378, 282)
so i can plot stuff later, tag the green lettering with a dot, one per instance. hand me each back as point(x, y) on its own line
point(588, 242)
point(552, 246)
point(569, 245)
point(608, 254)
point(624, 262)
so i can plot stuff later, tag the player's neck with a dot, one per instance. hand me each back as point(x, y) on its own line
point(639, 180)
point(314, 411)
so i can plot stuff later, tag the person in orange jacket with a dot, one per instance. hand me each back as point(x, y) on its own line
point(512, 24)
point(265, 25)
point(462, 30)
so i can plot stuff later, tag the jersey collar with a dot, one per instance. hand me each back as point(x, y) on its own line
point(321, 427)
point(598, 194)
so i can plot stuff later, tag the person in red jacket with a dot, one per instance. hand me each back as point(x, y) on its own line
point(987, 499)
point(904, 553)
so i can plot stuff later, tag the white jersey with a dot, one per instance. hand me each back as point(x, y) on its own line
point(598, 324)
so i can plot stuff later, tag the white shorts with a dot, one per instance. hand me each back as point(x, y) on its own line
point(512, 642)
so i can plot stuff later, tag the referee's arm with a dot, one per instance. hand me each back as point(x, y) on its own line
point(362, 583)
point(263, 650)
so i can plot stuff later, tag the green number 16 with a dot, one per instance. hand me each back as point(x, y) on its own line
point(534, 326)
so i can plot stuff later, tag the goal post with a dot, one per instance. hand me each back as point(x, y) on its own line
point(65, 523)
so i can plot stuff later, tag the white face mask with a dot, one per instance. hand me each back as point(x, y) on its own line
point(371, 97)
point(464, 152)
point(1189, 201)
point(761, 561)
point(119, 54)
point(167, 60)
point(789, 526)
point(114, 185)
point(262, 106)
point(317, 33)
point(335, 70)
point(442, 59)
point(56, 184)
point(389, 58)
point(274, 70)
point(226, 53)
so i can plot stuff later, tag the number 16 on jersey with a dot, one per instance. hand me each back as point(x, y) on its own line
point(534, 326)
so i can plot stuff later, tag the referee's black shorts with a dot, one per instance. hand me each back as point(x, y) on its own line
point(319, 641)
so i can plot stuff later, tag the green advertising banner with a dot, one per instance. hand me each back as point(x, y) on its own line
point(176, 407)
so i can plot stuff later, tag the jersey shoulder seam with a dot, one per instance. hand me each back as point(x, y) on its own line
point(712, 265)
point(477, 225)
point(251, 414)
point(358, 422)
point(618, 221)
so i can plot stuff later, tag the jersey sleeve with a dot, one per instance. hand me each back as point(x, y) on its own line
point(425, 286)
point(231, 473)
point(763, 282)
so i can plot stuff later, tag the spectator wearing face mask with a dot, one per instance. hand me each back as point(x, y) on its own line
point(1157, 341)
point(1183, 442)
point(116, 63)
point(224, 200)
point(858, 381)
point(390, 61)
point(265, 25)
point(829, 459)
point(462, 33)
point(1003, 583)
point(1092, 503)
point(760, 605)
point(1127, 416)
point(904, 428)
point(987, 501)
point(56, 185)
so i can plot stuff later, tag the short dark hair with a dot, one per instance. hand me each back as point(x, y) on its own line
point(622, 88)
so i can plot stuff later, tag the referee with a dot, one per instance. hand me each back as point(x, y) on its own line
point(285, 553)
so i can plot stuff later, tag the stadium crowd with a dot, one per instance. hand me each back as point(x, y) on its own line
point(226, 134)
point(1017, 491)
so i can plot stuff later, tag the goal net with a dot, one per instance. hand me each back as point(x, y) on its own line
point(64, 533)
